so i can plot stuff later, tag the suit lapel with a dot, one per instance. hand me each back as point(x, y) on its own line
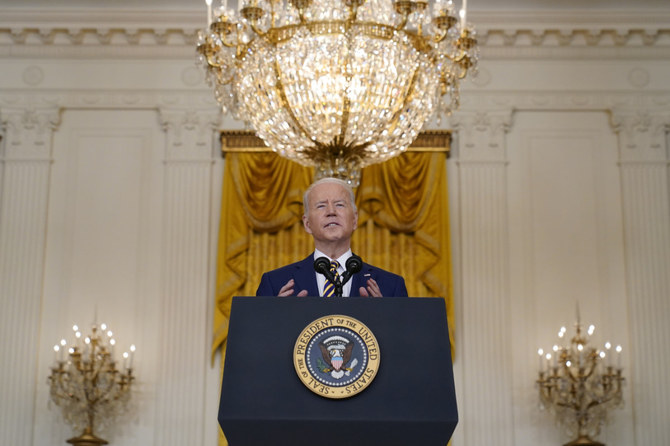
point(358, 280)
point(305, 277)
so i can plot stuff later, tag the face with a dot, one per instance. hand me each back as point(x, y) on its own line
point(331, 217)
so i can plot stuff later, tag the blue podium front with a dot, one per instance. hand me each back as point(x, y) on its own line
point(410, 401)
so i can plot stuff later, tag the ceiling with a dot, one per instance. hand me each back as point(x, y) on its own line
point(473, 5)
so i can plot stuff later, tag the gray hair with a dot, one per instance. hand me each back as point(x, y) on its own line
point(347, 186)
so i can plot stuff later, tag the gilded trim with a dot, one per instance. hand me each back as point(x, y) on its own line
point(239, 141)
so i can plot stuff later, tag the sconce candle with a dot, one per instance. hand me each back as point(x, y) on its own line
point(464, 15)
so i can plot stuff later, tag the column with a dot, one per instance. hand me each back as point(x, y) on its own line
point(644, 161)
point(486, 411)
point(25, 160)
point(185, 334)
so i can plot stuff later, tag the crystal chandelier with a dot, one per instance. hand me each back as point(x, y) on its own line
point(88, 385)
point(580, 384)
point(337, 84)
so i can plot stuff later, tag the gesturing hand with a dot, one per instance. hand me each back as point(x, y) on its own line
point(287, 290)
point(371, 290)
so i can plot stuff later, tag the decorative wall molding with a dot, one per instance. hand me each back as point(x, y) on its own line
point(596, 35)
point(482, 135)
point(190, 133)
point(107, 98)
point(150, 33)
point(201, 98)
point(642, 135)
point(564, 100)
point(27, 132)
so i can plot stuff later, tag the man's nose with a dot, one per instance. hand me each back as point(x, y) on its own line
point(330, 209)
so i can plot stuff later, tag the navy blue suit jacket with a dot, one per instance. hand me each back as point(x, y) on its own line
point(302, 272)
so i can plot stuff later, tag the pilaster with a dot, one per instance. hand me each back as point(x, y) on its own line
point(644, 160)
point(180, 417)
point(25, 161)
point(482, 164)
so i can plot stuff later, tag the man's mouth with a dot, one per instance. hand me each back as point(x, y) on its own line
point(331, 225)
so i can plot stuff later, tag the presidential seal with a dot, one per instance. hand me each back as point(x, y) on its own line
point(336, 356)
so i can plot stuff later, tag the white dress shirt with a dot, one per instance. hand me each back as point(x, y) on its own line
point(321, 279)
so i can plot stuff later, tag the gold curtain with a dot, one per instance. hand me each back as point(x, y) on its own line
point(402, 207)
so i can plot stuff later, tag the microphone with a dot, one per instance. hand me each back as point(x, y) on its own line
point(322, 266)
point(353, 265)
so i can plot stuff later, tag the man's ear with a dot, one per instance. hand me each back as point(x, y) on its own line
point(355, 220)
point(305, 223)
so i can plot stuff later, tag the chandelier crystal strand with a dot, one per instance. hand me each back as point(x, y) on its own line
point(579, 384)
point(337, 84)
point(90, 387)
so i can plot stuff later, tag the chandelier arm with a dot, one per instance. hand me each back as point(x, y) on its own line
point(222, 28)
point(273, 13)
point(566, 405)
point(300, 5)
point(104, 393)
point(59, 391)
point(404, 8)
point(461, 56)
point(353, 12)
point(595, 403)
point(420, 6)
point(589, 371)
point(223, 80)
point(346, 103)
point(464, 71)
point(60, 385)
point(279, 87)
point(209, 56)
point(402, 24)
point(440, 38)
point(408, 94)
point(257, 30)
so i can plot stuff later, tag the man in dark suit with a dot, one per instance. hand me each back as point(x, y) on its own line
point(330, 216)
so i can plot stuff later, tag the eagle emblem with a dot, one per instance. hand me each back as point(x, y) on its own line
point(336, 356)
point(336, 353)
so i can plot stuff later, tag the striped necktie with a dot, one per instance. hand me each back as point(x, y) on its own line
point(329, 288)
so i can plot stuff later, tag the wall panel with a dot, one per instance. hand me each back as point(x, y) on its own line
point(103, 248)
point(566, 243)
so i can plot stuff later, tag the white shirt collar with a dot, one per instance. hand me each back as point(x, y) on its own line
point(321, 279)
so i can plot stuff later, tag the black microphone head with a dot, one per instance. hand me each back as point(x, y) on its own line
point(354, 264)
point(322, 265)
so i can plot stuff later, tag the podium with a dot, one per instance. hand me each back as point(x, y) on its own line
point(410, 402)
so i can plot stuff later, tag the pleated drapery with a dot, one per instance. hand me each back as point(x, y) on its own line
point(403, 224)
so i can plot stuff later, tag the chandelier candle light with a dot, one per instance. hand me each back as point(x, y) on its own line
point(579, 384)
point(88, 385)
point(337, 84)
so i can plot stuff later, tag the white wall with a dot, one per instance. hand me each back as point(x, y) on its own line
point(109, 194)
